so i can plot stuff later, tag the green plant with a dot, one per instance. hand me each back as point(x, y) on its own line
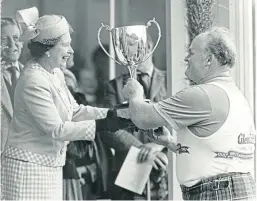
point(199, 16)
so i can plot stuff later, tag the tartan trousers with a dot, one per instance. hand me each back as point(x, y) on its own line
point(231, 186)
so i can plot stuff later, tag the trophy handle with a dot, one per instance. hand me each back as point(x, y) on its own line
point(99, 40)
point(149, 23)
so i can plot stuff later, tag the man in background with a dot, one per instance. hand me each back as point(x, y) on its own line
point(10, 71)
point(154, 82)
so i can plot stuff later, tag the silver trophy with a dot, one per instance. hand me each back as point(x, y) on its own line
point(130, 44)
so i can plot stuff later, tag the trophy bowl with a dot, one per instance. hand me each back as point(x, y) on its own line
point(130, 44)
point(131, 48)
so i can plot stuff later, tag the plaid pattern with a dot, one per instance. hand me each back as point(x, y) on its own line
point(24, 155)
point(90, 130)
point(28, 181)
point(93, 113)
point(101, 113)
point(231, 186)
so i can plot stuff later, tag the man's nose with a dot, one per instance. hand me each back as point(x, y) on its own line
point(186, 58)
point(11, 42)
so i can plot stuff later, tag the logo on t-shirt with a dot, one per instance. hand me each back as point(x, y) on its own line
point(182, 149)
point(246, 139)
point(234, 154)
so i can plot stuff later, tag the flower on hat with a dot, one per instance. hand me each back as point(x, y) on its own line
point(46, 29)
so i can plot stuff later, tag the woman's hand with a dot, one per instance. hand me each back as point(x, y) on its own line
point(113, 123)
point(133, 89)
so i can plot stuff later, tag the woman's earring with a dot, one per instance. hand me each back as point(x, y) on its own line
point(48, 54)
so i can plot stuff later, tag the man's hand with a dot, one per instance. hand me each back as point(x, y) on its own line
point(164, 138)
point(161, 137)
point(147, 149)
point(160, 160)
point(133, 89)
point(81, 170)
point(144, 152)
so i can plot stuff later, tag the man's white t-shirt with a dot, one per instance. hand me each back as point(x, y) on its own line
point(215, 130)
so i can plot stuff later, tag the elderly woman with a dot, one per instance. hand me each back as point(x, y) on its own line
point(46, 116)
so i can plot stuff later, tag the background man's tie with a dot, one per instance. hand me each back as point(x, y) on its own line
point(145, 80)
point(14, 72)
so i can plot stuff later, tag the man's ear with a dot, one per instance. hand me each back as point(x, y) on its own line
point(209, 59)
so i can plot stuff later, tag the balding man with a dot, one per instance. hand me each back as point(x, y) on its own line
point(214, 123)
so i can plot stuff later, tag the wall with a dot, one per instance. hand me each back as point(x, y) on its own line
point(140, 12)
point(177, 39)
point(221, 13)
point(86, 16)
point(9, 7)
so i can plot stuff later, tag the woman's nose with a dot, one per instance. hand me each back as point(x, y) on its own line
point(71, 51)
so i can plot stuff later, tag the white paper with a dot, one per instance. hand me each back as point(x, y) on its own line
point(133, 175)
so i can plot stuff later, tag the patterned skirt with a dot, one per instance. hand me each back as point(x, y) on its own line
point(21, 180)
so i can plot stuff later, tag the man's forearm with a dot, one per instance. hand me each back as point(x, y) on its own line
point(120, 140)
point(143, 114)
point(138, 110)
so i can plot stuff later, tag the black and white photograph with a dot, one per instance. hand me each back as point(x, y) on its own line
point(128, 100)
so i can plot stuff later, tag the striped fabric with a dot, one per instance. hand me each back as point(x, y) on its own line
point(232, 186)
point(21, 180)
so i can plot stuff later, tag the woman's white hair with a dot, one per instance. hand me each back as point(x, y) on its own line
point(221, 45)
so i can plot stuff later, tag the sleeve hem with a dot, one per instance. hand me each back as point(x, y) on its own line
point(166, 117)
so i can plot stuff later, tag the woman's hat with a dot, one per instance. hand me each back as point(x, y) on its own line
point(46, 29)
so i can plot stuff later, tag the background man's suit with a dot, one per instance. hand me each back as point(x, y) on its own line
point(6, 105)
point(121, 141)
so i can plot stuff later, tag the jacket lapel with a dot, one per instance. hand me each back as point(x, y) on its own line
point(5, 92)
point(63, 96)
point(157, 81)
point(120, 84)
